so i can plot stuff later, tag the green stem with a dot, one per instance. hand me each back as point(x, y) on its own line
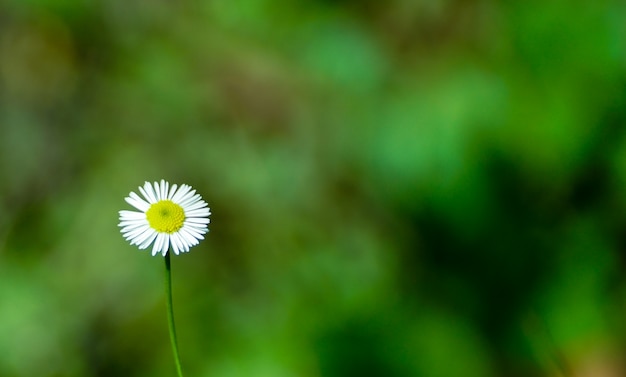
point(170, 313)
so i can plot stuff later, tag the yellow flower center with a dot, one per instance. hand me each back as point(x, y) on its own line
point(166, 216)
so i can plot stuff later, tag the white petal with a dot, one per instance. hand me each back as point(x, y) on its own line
point(133, 233)
point(184, 242)
point(150, 191)
point(157, 191)
point(166, 243)
point(191, 197)
point(187, 197)
point(195, 225)
point(194, 232)
point(190, 200)
point(148, 241)
point(135, 201)
point(202, 212)
point(156, 248)
point(128, 215)
point(200, 228)
point(143, 192)
point(197, 205)
point(134, 220)
point(146, 196)
point(132, 227)
point(198, 220)
point(129, 227)
point(188, 237)
point(142, 237)
point(174, 243)
point(164, 188)
point(172, 191)
point(182, 191)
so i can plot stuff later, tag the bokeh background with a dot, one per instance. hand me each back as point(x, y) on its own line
point(403, 188)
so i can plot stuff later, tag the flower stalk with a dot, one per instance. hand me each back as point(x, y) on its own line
point(170, 314)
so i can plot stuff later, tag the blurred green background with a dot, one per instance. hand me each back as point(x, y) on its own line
point(403, 188)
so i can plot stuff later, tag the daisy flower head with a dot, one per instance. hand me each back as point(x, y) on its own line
point(173, 217)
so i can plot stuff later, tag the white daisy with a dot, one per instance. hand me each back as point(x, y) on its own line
point(176, 217)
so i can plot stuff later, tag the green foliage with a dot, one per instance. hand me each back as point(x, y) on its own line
point(403, 188)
